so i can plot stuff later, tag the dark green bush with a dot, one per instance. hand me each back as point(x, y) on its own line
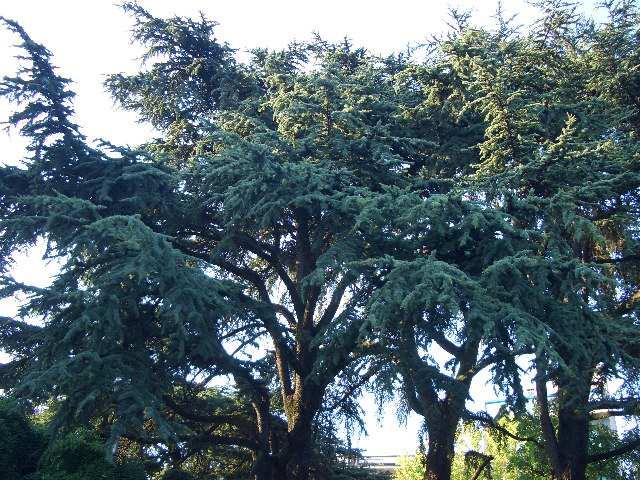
point(22, 443)
point(76, 456)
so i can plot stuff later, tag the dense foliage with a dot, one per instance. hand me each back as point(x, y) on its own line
point(320, 220)
point(76, 455)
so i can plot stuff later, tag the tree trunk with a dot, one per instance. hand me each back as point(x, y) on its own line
point(442, 436)
point(567, 450)
point(441, 415)
point(573, 448)
point(300, 450)
point(301, 407)
point(263, 468)
point(573, 436)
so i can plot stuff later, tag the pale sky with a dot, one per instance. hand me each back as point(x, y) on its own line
point(90, 39)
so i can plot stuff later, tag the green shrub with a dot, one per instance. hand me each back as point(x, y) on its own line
point(22, 444)
point(76, 456)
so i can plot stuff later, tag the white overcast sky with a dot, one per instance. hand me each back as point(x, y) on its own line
point(90, 39)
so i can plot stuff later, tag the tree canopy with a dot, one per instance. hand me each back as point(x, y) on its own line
point(321, 220)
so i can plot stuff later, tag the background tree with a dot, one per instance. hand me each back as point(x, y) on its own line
point(563, 155)
point(440, 314)
point(438, 320)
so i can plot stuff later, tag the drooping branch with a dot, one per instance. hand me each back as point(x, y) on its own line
point(623, 449)
point(490, 422)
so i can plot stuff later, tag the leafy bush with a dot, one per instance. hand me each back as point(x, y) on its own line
point(76, 456)
point(80, 455)
point(22, 444)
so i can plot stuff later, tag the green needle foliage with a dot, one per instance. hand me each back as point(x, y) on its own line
point(318, 218)
point(558, 159)
point(230, 246)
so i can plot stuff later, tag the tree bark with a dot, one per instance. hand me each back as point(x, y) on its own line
point(573, 446)
point(301, 407)
point(573, 430)
point(442, 436)
point(300, 449)
point(567, 450)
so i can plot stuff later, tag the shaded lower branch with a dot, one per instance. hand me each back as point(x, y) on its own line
point(616, 452)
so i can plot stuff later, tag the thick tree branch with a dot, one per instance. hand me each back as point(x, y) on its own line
point(613, 408)
point(413, 368)
point(271, 323)
point(334, 303)
point(240, 421)
point(614, 404)
point(364, 378)
point(269, 255)
point(443, 342)
point(614, 261)
point(548, 432)
point(485, 463)
point(495, 358)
